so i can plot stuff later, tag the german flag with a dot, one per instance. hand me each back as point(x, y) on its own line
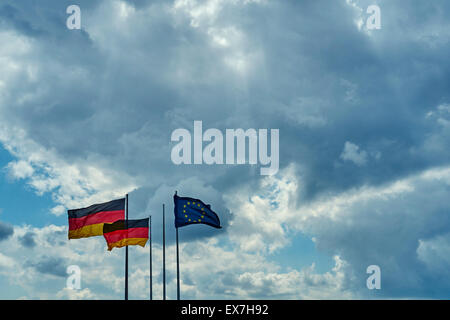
point(126, 233)
point(88, 222)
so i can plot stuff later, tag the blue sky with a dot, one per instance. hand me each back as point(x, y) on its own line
point(86, 116)
point(20, 204)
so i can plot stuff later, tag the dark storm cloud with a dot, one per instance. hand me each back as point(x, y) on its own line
point(312, 61)
point(6, 231)
point(57, 238)
point(49, 265)
point(383, 116)
point(9, 16)
point(27, 240)
point(402, 231)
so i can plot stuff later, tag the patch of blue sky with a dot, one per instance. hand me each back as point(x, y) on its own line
point(19, 203)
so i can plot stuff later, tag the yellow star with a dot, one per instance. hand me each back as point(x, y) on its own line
point(184, 206)
point(203, 209)
point(185, 215)
point(189, 220)
point(192, 202)
point(203, 217)
point(189, 203)
point(198, 204)
point(184, 211)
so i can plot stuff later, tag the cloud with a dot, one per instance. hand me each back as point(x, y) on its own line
point(71, 294)
point(208, 271)
point(27, 240)
point(6, 231)
point(352, 153)
point(87, 116)
point(49, 265)
point(434, 253)
point(5, 261)
point(397, 226)
point(368, 216)
point(330, 285)
point(213, 61)
point(20, 169)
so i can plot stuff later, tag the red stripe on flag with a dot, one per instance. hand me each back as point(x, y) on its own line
point(124, 234)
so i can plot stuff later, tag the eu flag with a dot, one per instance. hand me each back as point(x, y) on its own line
point(193, 211)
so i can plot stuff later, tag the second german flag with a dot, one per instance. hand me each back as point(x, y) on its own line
point(126, 232)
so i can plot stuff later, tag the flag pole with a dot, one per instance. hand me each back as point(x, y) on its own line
point(126, 253)
point(150, 238)
point(178, 271)
point(164, 253)
point(178, 265)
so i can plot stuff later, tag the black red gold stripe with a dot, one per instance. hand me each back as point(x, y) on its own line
point(88, 222)
point(124, 233)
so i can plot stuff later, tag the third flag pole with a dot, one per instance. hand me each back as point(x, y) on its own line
point(150, 238)
point(164, 253)
point(126, 250)
point(189, 211)
point(178, 270)
point(178, 265)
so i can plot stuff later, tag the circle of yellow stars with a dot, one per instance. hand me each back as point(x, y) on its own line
point(190, 219)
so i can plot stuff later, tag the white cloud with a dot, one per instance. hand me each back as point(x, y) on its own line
point(435, 253)
point(208, 270)
point(244, 270)
point(20, 169)
point(391, 224)
point(72, 185)
point(5, 261)
point(260, 216)
point(352, 153)
point(71, 294)
point(304, 284)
